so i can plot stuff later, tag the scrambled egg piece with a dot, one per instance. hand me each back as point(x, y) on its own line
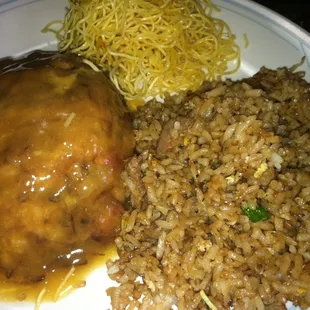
point(233, 178)
point(301, 291)
point(261, 169)
point(186, 141)
point(204, 245)
point(230, 179)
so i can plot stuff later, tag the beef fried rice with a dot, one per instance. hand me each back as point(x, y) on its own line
point(218, 199)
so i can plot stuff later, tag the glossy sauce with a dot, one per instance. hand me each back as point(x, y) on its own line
point(64, 135)
point(94, 256)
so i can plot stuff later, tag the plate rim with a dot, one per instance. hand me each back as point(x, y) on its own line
point(274, 17)
point(255, 9)
point(249, 5)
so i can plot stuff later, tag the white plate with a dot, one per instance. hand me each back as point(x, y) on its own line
point(274, 42)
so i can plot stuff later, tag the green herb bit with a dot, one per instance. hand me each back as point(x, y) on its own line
point(257, 214)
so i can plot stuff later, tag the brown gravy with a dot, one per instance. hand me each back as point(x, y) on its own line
point(64, 136)
point(11, 291)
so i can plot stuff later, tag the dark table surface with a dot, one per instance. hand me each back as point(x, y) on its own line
point(296, 10)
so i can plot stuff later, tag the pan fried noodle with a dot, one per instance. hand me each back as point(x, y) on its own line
point(150, 47)
point(219, 197)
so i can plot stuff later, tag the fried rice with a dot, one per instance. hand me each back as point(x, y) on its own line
point(204, 162)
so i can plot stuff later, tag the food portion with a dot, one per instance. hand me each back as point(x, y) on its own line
point(64, 136)
point(220, 193)
point(150, 48)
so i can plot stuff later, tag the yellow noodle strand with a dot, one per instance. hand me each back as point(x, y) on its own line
point(150, 47)
point(63, 283)
point(39, 299)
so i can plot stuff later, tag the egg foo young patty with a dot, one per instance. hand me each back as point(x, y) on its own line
point(64, 134)
point(220, 194)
